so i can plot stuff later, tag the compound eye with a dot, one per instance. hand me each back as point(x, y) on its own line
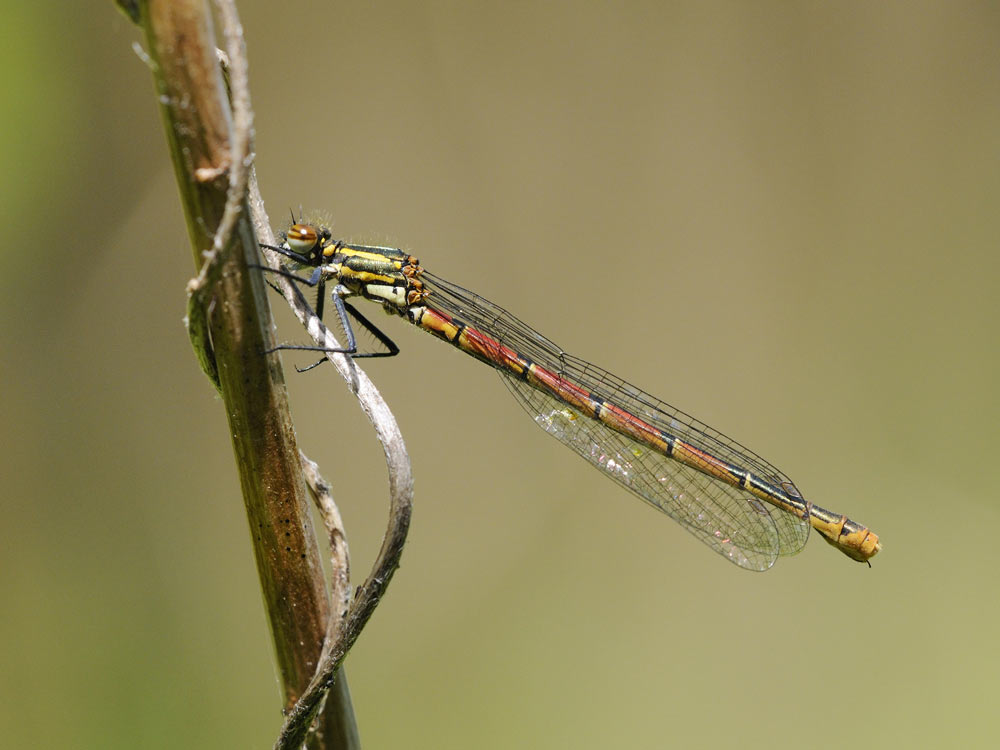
point(302, 238)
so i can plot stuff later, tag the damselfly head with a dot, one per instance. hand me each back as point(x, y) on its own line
point(306, 239)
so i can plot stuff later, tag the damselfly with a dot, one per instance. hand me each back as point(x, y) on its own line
point(726, 495)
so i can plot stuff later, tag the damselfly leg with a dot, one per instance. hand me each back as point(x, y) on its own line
point(345, 312)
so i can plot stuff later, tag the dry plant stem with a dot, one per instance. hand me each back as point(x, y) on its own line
point(236, 320)
point(369, 594)
point(340, 558)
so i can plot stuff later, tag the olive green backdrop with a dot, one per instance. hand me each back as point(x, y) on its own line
point(781, 217)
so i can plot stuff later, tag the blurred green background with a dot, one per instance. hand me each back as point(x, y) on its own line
point(779, 217)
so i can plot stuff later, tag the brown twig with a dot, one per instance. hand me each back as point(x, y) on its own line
point(302, 715)
point(231, 326)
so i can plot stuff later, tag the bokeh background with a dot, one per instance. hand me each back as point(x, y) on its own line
point(781, 217)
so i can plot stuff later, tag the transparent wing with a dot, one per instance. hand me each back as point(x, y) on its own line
point(728, 519)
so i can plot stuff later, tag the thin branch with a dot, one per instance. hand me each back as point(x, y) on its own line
point(369, 594)
point(340, 557)
point(239, 95)
point(240, 162)
point(342, 633)
point(208, 148)
point(231, 327)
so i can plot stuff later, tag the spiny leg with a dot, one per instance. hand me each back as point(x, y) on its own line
point(345, 311)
